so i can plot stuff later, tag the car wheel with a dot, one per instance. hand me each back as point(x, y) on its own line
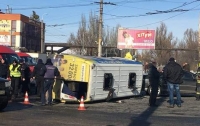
point(3, 103)
point(149, 90)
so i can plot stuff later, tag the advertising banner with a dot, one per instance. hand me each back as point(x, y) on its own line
point(136, 39)
point(5, 25)
point(5, 40)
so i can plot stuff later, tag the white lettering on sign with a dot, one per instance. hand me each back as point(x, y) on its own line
point(144, 44)
point(83, 72)
point(144, 35)
point(148, 41)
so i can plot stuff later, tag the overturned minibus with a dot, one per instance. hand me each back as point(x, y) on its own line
point(96, 78)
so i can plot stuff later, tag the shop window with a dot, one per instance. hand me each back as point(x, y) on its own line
point(13, 40)
point(14, 23)
point(108, 81)
point(132, 80)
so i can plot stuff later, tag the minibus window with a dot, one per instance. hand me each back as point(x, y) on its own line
point(132, 80)
point(108, 81)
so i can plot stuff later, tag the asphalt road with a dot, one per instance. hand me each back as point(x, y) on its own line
point(131, 112)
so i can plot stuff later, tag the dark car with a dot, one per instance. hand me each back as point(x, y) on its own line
point(188, 87)
point(5, 94)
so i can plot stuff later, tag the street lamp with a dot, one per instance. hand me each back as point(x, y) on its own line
point(43, 15)
point(42, 34)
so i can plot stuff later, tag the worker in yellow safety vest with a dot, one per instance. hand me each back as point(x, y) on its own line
point(198, 84)
point(15, 76)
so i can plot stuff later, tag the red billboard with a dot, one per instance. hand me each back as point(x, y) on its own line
point(136, 39)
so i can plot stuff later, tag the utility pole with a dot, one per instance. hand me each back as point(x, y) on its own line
point(42, 34)
point(83, 42)
point(42, 37)
point(101, 25)
point(100, 29)
point(199, 46)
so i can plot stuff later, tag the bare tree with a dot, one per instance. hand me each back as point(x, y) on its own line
point(163, 41)
point(190, 41)
point(87, 35)
point(35, 16)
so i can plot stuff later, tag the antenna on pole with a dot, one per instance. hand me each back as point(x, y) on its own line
point(8, 10)
point(101, 25)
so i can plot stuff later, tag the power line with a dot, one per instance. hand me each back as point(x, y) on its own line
point(160, 12)
point(149, 1)
point(185, 4)
point(140, 15)
point(192, 9)
point(56, 35)
point(49, 7)
point(117, 17)
point(106, 3)
point(165, 19)
point(56, 25)
point(149, 13)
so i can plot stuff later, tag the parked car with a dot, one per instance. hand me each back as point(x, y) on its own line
point(5, 94)
point(188, 87)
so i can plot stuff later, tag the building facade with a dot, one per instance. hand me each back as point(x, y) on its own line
point(18, 31)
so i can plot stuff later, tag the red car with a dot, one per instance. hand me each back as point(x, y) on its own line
point(28, 59)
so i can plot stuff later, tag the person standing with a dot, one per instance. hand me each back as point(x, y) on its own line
point(25, 80)
point(4, 68)
point(15, 75)
point(38, 74)
point(50, 74)
point(154, 77)
point(173, 74)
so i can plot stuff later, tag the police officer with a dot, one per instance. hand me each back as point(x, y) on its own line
point(15, 75)
point(25, 71)
point(51, 73)
point(154, 76)
point(38, 74)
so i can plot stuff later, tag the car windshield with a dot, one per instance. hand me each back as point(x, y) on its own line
point(29, 60)
point(9, 57)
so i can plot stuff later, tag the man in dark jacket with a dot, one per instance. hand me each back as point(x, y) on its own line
point(38, 74)
point(154, 76)
point(173, 74)
point(4, 69)
point(50, 74)
point(25, 80)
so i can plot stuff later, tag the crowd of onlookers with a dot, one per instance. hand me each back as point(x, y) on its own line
point(18, 72)
point(185, 66)
point(172, 76)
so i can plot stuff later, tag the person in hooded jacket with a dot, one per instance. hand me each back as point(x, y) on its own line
point(25, 70)
point(50, 74)
point(4, 69)
point(173, 74)
point(38, 74)
point(154, 77)
point(15, 75)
